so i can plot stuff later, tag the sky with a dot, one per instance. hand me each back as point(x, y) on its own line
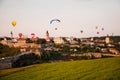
point(34, 16)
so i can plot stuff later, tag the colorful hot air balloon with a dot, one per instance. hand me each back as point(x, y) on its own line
point(32, 35)
point(55, 28)
point(97, 32)
point(81, 31)
point(102, 29)
point(96, 27)
point(20, 35)
point(13, 23)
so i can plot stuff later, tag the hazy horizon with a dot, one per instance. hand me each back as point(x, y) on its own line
point(34, 16)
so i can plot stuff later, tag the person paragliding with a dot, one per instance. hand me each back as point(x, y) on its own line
point(53, 21)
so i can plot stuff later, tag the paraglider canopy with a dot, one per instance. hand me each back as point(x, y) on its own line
point(54, 20)
point(13, 23)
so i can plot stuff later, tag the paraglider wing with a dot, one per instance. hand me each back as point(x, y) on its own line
point(13, 23)
point(54, 20)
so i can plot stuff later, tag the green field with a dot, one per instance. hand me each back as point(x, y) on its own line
point(96, 69)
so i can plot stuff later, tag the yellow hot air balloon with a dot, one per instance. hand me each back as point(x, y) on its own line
point(13, 23)
point(96, 27)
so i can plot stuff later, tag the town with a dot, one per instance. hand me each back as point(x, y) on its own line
point(50, 49)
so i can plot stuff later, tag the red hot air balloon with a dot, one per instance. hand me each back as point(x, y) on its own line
point(20, 35)
point(97, 32)
point(32, 35)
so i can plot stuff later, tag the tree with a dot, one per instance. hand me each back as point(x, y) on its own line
point(41, 41)
point(28, 40)
point(66, 49)
point(26, 59)
point(50, 55)
point(6, 51)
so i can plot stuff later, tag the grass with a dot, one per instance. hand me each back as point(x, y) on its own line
point(96, 69)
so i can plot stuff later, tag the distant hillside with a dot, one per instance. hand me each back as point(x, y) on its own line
point(96, 69)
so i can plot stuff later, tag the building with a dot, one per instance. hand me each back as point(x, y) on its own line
point(47, 36)
point(7, 41)
point(58, 40)
point(107, 40)
point(113, 50)
point(11, 34)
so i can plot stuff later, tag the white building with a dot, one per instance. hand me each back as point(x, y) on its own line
point(58, 40)
point(107, 40)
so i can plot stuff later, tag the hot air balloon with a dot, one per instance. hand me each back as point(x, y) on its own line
point(20, 35)
point(96, 27)
point(97, 32)
point(13, 23)
point(32, 35)
point(55, 28)
point(54, 20)
point(102, 29)
point(81, 31)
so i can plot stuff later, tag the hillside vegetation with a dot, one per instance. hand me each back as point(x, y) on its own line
point(6, 51)
point(96, 69)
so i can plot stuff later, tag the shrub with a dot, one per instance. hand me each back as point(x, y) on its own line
point(26, 59)
point(50, 55)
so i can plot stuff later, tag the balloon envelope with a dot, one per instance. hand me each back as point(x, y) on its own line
point(20, 35)
point(97, 32)
point(32, 35)
point(102, 29)
point(81, 31)
point(55, 28)
point(96, 27)
point(13, 23)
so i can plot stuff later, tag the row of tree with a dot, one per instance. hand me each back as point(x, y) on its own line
point(28, 59)
point(6, 51)
point(81, 49)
